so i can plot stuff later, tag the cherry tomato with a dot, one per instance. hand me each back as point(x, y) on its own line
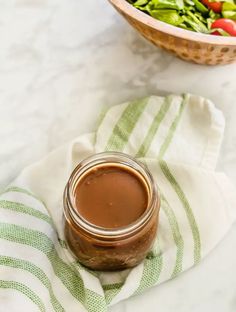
point(226, 24)
point(214, 6)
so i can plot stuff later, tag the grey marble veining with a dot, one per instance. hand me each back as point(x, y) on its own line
point(61, 63)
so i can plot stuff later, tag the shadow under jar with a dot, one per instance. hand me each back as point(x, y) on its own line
point(111, 209)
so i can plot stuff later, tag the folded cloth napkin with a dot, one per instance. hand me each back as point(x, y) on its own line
point(178, 138)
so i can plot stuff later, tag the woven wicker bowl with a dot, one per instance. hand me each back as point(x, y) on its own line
point(188, 45)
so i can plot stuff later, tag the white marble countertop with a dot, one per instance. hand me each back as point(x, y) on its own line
point(61, 62)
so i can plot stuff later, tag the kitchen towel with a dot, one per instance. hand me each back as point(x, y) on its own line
point(178, 138)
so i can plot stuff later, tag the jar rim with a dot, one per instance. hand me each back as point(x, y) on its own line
point(110, 158)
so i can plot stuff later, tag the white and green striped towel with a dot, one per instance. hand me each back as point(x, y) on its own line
point(179, 140)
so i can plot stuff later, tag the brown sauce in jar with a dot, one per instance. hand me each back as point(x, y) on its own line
point(111, 209)
point(111, 196)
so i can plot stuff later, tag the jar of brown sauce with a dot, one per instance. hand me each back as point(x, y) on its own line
point(111, 208)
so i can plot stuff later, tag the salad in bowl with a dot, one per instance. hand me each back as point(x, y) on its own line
point(215, 17)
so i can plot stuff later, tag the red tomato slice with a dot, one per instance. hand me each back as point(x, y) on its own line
point(214, 6)
point(216, 33)
point(226, 24)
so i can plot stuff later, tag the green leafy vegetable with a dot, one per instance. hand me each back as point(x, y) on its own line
point(200, 7)
point(168, 4)
point(229, 10)
point(169, 16)
point(140, 3)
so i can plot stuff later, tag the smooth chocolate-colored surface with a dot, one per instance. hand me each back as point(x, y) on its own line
point(111, 196)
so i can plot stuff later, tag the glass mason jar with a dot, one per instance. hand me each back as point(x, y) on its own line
point(110, 249)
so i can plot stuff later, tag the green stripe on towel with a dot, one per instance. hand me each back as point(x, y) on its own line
point(152, 269)
point(154, 127)
point(172, 129)
point(25, 291)
point(189, 213)
point(18, 207)
point(178, 239)
point(68, 276)
point(111, 290)
point(125, 125)
point(37, 272)
point(18, 189)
